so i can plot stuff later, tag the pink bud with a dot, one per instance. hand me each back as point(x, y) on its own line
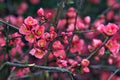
point(86, 69)
point(49, 15)
point(70, 28)
point(85, 62)
point(87, 19)
point(110, 61)
point(40, 12)
point(52, 28)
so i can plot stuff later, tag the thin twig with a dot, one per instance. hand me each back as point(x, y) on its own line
point(113, 74)
point(57, 69)
point(103, 67)
point(94, 52)
point(58, 13)
point(83, 31)
point(1, 21)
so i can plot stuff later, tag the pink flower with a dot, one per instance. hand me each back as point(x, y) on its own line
point(70, 28)
point(22, 72)
point(96, 43)
point(2, 42)
point(75, 47)
point(23, 29)
point(46, 36)
point(53, 35)
point(49, 15)
point(113, 46)
point(77, 44)
point(72, 62)
point(42, 43)
point(101, 51)
point(75, 39)
point(39, 31)
point(86, 69)
point(110, 29)
point(30, 21)
point(57, 45)
point(30, 37)
point(60, 54)
point(40, 12)
point(38, 53)
point(80, 25)
point(100, 28)
point(62, 63)
point(85, 62)
point(87, 19)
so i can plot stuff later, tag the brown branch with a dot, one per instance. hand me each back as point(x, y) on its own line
point(1, 21)
point(56, 69)
point(94, 52)
point(110, 77)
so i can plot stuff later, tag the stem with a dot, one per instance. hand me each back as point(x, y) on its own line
point(56, 69)
point(103, 67)
point(1, 21)
point(94, 52)
point(58, 13)
point(113, 74)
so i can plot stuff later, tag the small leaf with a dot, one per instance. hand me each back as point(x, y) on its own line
point(107, 52)
point(26, 62)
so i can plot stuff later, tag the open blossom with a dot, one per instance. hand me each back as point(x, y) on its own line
point(24, 29)
point(70, 28)
point(76, 47)
point(77, 44)
point(85, 62)
point(38, 53)
point(100, 28)
point(30, 21)
point(30, 37)
point(53, 35)
point(42, 43)
point(75, 39)
point(60, 54)
point(110, 29)
point(39, 31)
point(57, 45)
point(96, 43)
point(113, 46)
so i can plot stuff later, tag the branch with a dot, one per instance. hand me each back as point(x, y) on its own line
point(104, 67)
point(117, 70)
point(57, 69)
point(94, 52)
point(58, 13)
point(1, 21)
point(83, 31)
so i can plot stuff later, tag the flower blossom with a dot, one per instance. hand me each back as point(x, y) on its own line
point(30, 21)
point(38, 53)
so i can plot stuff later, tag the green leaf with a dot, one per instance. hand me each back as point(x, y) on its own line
point(107, 52)
point(26, 62)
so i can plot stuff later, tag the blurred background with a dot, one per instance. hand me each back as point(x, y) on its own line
point(20, 9)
